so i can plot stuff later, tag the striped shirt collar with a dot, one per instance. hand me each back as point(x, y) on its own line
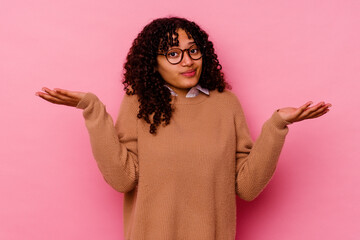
point(193, 92)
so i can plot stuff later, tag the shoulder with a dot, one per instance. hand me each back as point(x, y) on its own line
point(227, 102)
point(130, 99)
point(225, 98)
point(129, 103)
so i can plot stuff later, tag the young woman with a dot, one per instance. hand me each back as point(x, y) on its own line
point(180, 149)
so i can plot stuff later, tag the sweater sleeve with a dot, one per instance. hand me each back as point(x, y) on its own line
point(256, 162)
point(114, 147)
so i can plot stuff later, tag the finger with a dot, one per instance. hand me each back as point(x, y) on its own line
point(73, 95)
point(315, 107)
point(47, 90)
point(306, 105)
point(298, 116)
point(311, 111)
point(318, 107)
point(320, 114)
point(318, 111)
point(57, 94)
point(66, 93)
point(50, 98)
point(301, 109)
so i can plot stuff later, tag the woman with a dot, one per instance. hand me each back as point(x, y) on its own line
point(181, 177)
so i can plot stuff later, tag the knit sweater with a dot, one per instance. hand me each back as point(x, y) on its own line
point(181, 184)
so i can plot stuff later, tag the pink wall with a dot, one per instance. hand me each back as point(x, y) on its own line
point(275, 54)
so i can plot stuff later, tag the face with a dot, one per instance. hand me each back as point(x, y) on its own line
point(184, 75)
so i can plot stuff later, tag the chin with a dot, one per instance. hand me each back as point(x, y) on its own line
point(190, 86)
point(191, 82)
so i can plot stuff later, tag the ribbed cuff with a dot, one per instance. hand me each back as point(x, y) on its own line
point(278, 121)
point(86, 100)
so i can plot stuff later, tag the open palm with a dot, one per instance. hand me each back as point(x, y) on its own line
point(61, 96)
point(291, 114)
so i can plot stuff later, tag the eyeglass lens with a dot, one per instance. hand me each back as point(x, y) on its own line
point(175, 55)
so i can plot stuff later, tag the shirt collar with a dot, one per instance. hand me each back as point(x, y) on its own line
point(193, 92)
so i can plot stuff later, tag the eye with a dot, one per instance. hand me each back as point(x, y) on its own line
point(173, 54)
point(194, 50)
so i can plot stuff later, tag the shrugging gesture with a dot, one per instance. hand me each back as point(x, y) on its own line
point(289, 114)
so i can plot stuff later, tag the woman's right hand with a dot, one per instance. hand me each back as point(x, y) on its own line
point(61, 96)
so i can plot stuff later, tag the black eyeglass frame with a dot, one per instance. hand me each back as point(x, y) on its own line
point(182, 54)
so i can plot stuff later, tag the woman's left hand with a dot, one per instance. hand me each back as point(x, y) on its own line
point(291, 114)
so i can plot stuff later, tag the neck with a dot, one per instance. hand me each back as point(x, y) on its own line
point(181, 92)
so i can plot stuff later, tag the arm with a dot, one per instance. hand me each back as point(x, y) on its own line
point(114, 148)
point(256, 162)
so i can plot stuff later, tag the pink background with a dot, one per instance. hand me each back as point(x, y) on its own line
point(274, 53)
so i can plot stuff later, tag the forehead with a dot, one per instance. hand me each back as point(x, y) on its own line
point(183, 34)
point(180, 36)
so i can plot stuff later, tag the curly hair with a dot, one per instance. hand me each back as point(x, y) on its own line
point(141, 77)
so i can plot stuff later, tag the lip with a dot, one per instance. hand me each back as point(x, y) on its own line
point(189, 73)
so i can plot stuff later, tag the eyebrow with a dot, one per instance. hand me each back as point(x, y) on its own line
point(189, 43)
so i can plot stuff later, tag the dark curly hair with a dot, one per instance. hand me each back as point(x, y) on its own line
point(141, 78)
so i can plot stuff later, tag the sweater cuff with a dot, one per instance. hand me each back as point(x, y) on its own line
point(86, 100)
point(278, 121)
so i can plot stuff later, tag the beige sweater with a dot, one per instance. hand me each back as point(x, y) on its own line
point(181, 184)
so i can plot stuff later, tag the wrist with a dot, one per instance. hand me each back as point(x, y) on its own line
point(281, 120)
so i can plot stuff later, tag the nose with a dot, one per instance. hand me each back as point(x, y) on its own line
point(187, 60)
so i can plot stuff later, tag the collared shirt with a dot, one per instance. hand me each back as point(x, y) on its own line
point(193, 92)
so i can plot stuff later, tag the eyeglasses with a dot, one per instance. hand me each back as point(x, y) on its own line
point(175, 55)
